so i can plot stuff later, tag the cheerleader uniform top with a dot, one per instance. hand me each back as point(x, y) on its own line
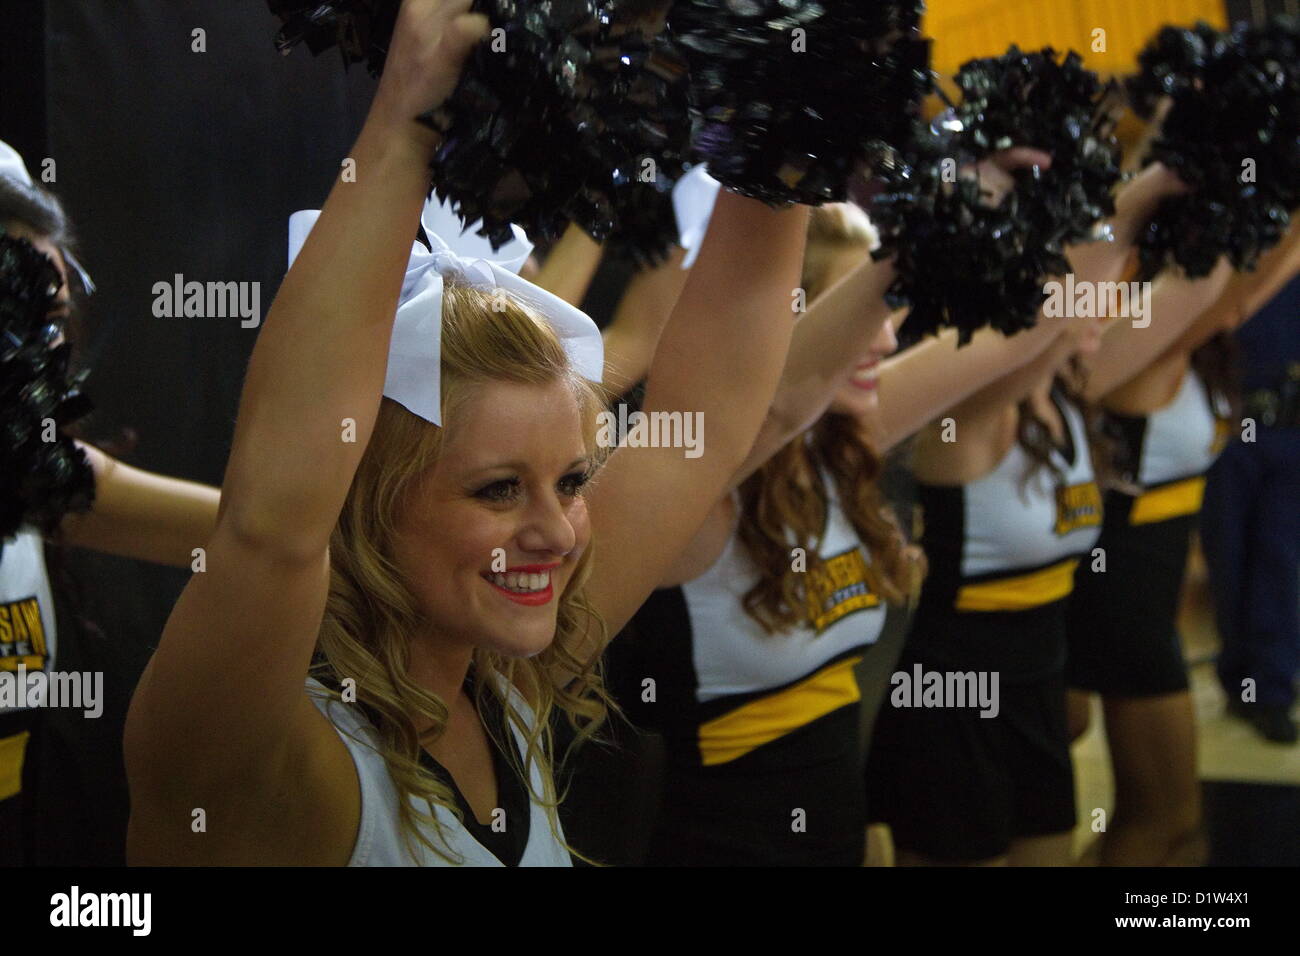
point(27, 635)
point(1167, 454)
point(1002, 552)
point(1146, 538)
point(761, 730)
point(523, 835)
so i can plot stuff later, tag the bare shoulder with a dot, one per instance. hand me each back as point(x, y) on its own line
point(962, 447)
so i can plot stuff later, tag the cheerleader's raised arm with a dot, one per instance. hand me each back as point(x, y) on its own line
point(219, 720)
point(719, 358)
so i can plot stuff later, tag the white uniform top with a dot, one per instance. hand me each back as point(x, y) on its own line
point(1183, 438)
point(732, 654)
point(380, 841)
point(756, 724)
point(27, 634)
point(1012, 524)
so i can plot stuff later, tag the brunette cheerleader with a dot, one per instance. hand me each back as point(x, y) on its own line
point(1010, 505)
point(134, 514)
point(744, 659)
point(1170, 421)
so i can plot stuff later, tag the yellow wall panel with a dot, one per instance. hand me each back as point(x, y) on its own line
point(963, 29)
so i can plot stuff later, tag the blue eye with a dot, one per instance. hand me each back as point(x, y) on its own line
point(572, 485)
point(499, 491)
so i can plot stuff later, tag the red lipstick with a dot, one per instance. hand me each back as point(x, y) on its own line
point(532, 598)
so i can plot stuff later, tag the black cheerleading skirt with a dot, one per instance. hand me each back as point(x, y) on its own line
point(1121, 624)
point(797, 801)
point(958, 786)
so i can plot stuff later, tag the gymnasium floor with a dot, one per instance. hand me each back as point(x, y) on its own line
point(1251, 788)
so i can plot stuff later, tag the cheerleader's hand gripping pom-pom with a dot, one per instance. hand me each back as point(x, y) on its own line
point(791, 97)
point(44, 474)
point(960, 263)
point(567, 111)
point(1056, 106)
point(969, 263)
point(1232, 132)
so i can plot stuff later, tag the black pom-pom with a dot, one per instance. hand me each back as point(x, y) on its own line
point(791, 97)
point(1170, 64)
point(962, 263)
point(646, 225)
point(1233, 133)
point(567, 111)
point(361, 29)
point(597, 150)
point(1032, 99)
point(40, 480)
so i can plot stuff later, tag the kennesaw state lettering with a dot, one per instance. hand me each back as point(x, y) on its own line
point(1077, 506)
point(22, 635)
point(837, 588)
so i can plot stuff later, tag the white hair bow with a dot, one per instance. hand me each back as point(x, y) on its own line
point(414, 377)
point(12, 165)
point(693, 198)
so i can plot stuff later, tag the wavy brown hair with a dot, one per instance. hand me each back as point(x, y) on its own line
point(1216, 361)
point(785, 503)
point(372, 617)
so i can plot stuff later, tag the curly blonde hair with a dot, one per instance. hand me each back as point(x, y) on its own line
point(371, 614)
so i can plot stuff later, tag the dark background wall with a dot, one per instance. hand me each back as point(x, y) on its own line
point(174, 161)
point(168, 161)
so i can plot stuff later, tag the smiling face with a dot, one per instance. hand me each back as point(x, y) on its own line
point(858, 395)
point(490, 536)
